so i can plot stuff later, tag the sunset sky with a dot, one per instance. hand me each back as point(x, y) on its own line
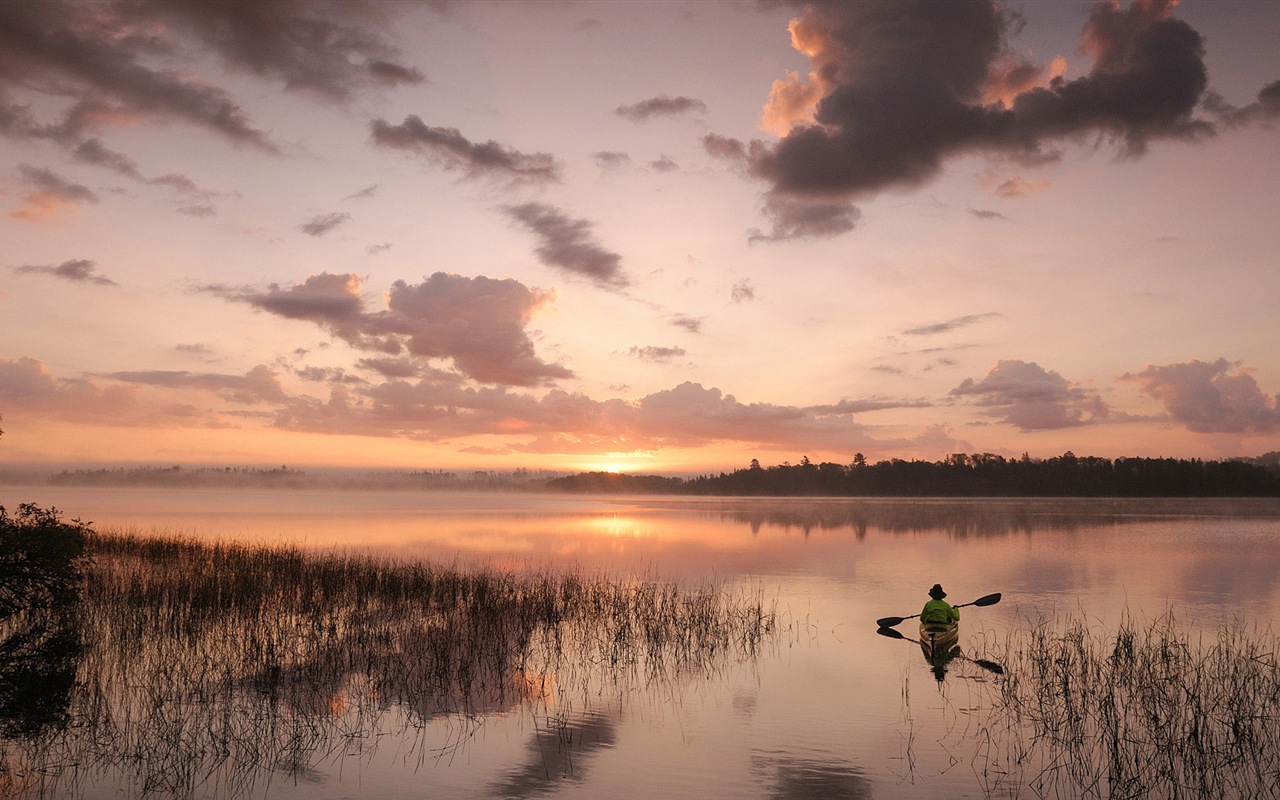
point(651, 236)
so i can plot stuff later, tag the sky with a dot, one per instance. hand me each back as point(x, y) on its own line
point(643, 236)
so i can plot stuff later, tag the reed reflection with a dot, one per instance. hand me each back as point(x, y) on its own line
point(216, 667)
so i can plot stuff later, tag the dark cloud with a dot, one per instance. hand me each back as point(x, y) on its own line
point(664, 164)
point(448, 148)
point(657, 355)
point(1030, 397)
point(49, 195)
point(726, 148)
point(93, 151)
point(567, 244)
point(660, 106)
point(328, 48)
point(742, 291)
point(477, 323)
point(322, 224)
point(374, 249)
point(1264, 110)
point(944, 71)
point(79, 270)
point(1210, 397)
point(805, 218)
point(951, 324)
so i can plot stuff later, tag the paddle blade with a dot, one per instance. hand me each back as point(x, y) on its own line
point(989, 600)
point(889, 622)
point(890, 632)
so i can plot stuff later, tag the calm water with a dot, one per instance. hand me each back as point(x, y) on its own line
point(831, 710)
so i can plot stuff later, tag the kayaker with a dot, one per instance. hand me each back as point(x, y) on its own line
point(937, 609)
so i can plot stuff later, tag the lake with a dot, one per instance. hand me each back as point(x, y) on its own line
point(827, 709)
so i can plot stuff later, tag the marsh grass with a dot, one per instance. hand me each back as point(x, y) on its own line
point(214, 669)
point(1144, 711)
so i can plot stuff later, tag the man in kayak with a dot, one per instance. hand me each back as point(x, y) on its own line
point(937, 609)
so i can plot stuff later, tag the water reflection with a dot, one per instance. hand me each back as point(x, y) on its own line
point(38, 664)
point(791, 776)
point(559, 752)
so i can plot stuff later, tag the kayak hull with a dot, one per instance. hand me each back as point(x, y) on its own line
point(937, 638)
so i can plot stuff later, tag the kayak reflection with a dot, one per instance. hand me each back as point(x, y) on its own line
point(938, 659)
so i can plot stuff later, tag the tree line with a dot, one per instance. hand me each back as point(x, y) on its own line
point(962, 475)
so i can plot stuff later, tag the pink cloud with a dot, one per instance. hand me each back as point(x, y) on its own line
point(1217, 397)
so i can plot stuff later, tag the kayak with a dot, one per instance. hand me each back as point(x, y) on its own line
point(937, 638)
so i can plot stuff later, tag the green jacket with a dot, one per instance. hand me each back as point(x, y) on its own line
point(939, 611)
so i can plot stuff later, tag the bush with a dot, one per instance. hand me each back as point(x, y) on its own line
point(41, 560)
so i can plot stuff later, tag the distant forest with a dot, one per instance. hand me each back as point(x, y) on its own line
point(961, 475)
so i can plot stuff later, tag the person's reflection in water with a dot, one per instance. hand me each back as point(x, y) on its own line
point(939, 663)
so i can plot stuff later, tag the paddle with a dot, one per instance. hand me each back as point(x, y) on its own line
point(989, 600)
point(982, 662)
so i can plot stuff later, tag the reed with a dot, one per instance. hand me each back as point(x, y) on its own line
point(205, 667)
point(1153, 710)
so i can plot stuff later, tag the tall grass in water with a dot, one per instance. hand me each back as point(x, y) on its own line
point(206, 668)
point(1143, 712)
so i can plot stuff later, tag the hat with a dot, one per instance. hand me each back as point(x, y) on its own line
point(936, 592)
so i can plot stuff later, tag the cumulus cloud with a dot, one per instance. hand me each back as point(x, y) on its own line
point(951, 324)
point(476, 323)
point(567, 244)
point(323, 223)
point(49, 194)
point(77, 270)
point(1264, 110)
point(945, 72)
point(449, 149)
point(657, 355)
point(1031, 398)
point(660, 106)
point(27, 384)
point(1210, 397)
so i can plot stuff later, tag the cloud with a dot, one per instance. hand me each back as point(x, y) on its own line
point(610, 160)
point(322, 224)
point(1264, 110)
point(97, 54)
point(374, 249)
point(944, 72)
point(568, 245)
point(951, 324)
point(664, 164)
point(804, 218)
point(660, 106)
point(690, 324)
point(742, 291)
point(27, 384)
point(50, 195)
point(449, 149)
point(365, 193)
point(79, 270)
point(476, 323)
point(657, 355)
point(726, 148)
point(330, 49)
point(1018, 186)
point(1210, 397)
point(984, 214)
point(259, 385)
point(1032, 398)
